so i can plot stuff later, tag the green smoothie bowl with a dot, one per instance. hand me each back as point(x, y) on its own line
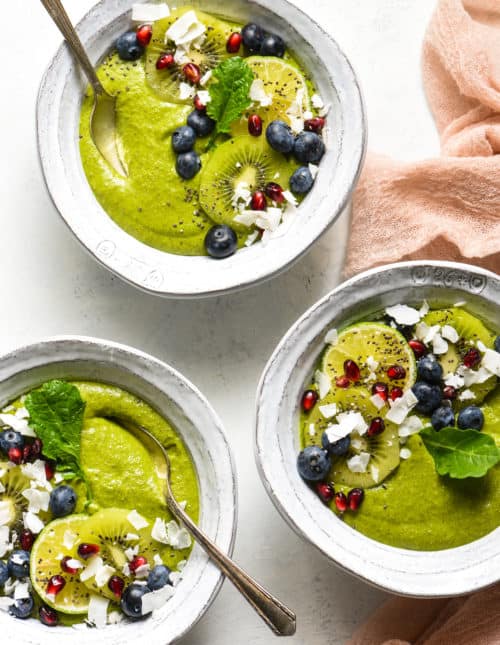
point(86, 539)
point(384, 404)
point(239, 139)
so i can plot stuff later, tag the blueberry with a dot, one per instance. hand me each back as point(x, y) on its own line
point(429, 397)
point(128, 47)
point(131, 601)
point(309, 147)
point(253, 35)
point(11, 439)
point(22, 608)
point(497, 344)
point(201, 123)
point(313, 464)
point(188, 164)
point(279, 135)
point(337, 448)
point(183, 139)
point(19, 564)
point(159, 577)
point(301, 181)
point(429, 370)
point(221, 241)
point(272, 45)
point(62, 501)
point(4, 573)
point(442, 417)
point(471, 418)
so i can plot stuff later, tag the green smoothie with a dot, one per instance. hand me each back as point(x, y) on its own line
point(404, 502)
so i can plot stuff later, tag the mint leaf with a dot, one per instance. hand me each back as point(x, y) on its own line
point(56, 415)
point(230, 94)
point(461, 453)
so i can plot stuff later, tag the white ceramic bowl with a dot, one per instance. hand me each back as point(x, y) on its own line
point(413, 573)
point(171, 275)
point(198, 425)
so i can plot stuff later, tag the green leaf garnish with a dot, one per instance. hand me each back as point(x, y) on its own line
point(461, 453)
point(56, 415)
point(230, 94)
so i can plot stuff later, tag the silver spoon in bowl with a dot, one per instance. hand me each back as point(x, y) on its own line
point(103, 117)
point(278, 617)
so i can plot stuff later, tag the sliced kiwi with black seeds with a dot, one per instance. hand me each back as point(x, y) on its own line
point(242, 160)
point(211, 52)
point(12, 501)
point(470, 330)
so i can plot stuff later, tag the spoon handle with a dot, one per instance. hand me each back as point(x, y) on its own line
point(58, 14)
point(278, 617)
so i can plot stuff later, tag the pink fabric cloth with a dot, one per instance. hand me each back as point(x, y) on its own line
point(449, 207)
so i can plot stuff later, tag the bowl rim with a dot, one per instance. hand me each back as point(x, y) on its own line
point(319, 529)
point(67, 349)
point(163, 273)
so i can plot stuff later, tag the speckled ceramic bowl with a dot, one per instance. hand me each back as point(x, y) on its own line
point(190, 413)
point(413, 573)
point(179, 276)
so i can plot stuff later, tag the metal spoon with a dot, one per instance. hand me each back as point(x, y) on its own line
point(103, 117)
point(278, 617)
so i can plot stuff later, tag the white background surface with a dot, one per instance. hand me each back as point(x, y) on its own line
point(50, 286)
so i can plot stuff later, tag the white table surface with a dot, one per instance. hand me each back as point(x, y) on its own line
point(50, 286)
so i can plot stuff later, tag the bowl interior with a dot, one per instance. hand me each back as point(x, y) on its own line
point(416, 573)
point(60, 99)
point(179, 402)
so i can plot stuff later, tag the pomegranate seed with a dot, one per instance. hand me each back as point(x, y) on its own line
point(36, 447)
point(258, 202)
point(315, 125)
point(15, 455)
point(309, 399)
point(449, 393)
point(355, 497)
point(255, 125)
point(234, 43)
point(137, 562)
point(166, 61)
point(192, 72)
point(419, 349)
point(382, 390)
point(86, 550)
point(27, 454)
point(472, 358)
point(66, 568)
point(198, 105)
point(377, 426)
point(396, 393)
point(48, 616)
point(56, 584)
point(343, 382)
point(325, 491)
point(116, 585)
point(50, 469)
point(351, 370)
point(341, 502)
point(144, 34)
point(396, 372)
point(275, 192)
point(27, 538)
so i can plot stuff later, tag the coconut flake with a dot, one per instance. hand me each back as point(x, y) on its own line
point(466, 395)
point(38, 500)
point(186, 30)
point(439, 345)
point(156, 599)
point(491, 361)
point(405, 453)
point(252, 238)
point(137, 521)
point(94, 566)
point(5, 603)
point(372, 364)
point(73, 563)
point(258, 93)
point(159, 531)
point(323, 382)
point(375, 473)
point(377, 401)
point(295, 112)
point(269, 220)
point(313, 170)
point(401, 407)
point(204, 97)
point(332, 337)
point(142, 571)
point(114, 618)
point(33, 522)
point(424, 309)
point(421, 331)
point(290, 198)
point(186, 91)
point(358, 463)
point(450, 333)
point(317, 101)
point(205, 78)
point(329, 410)
point(471, 377)
point(131, 552)
point(150, 12)
point(410, 426)
point(178, 537)
point(454, 380)
point(157, 560)
point(5, 513)
point(98, 611)
point(312, 429)
point(19, 425)
point(35, 471)
point(247, 218)
point(403, 314)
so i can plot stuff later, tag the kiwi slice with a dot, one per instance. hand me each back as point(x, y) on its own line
point(246, 160)
point(470, 330)
point(11, 499)
point(283, 82)
point(48, 551)
point(212, 51)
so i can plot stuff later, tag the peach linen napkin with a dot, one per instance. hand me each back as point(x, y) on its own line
point(446, 208)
